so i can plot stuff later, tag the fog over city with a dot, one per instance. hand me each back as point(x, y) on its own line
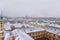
point(32, 8)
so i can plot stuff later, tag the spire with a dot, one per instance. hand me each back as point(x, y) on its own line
point(1, 15)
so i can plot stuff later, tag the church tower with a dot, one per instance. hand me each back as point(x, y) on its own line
point(1, 27)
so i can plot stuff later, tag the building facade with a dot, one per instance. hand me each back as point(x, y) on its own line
point(1, 29)
point(44, 34)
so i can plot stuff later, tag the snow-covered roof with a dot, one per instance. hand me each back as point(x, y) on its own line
point(17, 24)
point(53, 30)
point(32, 29)
point(36, 29)
point(22, 32)
point(55, 25)
point(19, 38)
point(7, 26)
point(21, 35)
point(49, 29)
point(27, 25)
point(6, 37)
point(42, 24)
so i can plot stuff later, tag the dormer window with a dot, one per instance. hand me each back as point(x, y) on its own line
point(55, 29)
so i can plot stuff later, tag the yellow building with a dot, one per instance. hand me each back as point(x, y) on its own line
point(37, 35)
point(1, 35)
point(42, 34)
point(1, 29)
point(1, 25)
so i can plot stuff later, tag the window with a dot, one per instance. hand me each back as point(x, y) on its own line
point(33, 33)
point(54, 34)
point(59, 36)
point(39, 32)
point(1, 26)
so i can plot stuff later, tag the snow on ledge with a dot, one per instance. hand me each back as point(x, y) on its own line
point(1, 31)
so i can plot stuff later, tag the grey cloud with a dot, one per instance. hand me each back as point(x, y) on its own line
point(34, 8)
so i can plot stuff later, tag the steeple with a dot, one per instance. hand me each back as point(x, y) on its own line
point(1, 15)
point(1, 21)
point(1, 26)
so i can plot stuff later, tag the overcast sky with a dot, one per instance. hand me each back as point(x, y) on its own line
point(34, 8)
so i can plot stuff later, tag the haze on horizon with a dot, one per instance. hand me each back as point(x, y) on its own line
point(32, 8)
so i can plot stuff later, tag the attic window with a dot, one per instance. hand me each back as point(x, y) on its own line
point(30, 30)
